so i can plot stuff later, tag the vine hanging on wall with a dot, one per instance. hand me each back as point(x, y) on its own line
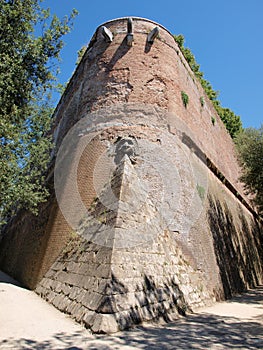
point(185, 98)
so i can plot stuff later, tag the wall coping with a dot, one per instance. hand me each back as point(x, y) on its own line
point(136, 19)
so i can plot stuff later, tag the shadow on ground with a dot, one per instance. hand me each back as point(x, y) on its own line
point(197, 331)
point(252, 296)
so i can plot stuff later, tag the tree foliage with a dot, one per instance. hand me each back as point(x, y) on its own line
point(30, 45)
point(232, 121)
point(80, 53)
point(250, 150)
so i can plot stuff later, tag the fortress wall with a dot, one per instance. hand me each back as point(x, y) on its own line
point(237, 240)
point(204, 239)
point(114, 73)
point(110, 288)
point(32, 243)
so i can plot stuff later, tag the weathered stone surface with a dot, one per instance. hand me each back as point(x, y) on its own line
point(89, 318)
point(105, 324)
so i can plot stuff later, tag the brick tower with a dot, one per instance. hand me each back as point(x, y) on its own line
point(147, 218)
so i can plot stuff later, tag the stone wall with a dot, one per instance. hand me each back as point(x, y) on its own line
point(112, 290)
point(141, 263)
point(147, 218)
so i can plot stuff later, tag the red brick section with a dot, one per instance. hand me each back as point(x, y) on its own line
point(115, 73)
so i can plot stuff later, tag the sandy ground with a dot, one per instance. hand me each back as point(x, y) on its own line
point(28, 322)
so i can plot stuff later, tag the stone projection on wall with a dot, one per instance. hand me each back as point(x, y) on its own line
point(147, 219)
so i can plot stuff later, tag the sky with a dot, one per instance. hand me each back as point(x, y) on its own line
point(226, 37)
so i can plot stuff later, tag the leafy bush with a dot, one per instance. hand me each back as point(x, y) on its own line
point(232, 121)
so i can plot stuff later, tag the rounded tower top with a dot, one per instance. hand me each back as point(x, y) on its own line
point(135, 18)
point(133, 25)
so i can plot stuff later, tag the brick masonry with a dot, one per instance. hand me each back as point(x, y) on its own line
point(149, 235)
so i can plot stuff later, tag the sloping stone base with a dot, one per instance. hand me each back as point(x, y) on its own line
point(111, 293)
point(123, 267)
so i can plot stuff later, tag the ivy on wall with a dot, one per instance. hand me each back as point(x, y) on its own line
point(185, 98)
point(232, 121)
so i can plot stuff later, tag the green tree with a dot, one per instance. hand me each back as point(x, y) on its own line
point(250, 151)
point(30, 45)
point(80, 53)
point(232, 121)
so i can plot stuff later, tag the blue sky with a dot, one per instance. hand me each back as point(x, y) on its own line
point(226, 37)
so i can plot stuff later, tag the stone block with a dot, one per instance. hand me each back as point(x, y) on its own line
point(125, 301)
point(50, 296)
point(58, 265)
point(141, 298)
point(124, 320)
point(70, 307)
point(66, 289)
point(89, 318)
point(84, 268)
point(89, 282)
point(80, 313)
point(161, 294)
point(56, 286)
point(105, 324)
point(76, 309)
point(46, 282)
point(63, 303)
point(57, 300)
point(100, 285)
point(92, 300)
point(74, 279)
point(102, 271)
point(75, 292)
point(88, 257)
point(40, 290)
point(83, 296)
point(73, 266)
point(146, 312)
point(103, 256)
point(107, 305)
point(61, 276)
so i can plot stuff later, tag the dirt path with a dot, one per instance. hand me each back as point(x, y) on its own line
point(28, 322)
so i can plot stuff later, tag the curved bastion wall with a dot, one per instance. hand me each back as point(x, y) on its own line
point(147, 218)
point(155, 74)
